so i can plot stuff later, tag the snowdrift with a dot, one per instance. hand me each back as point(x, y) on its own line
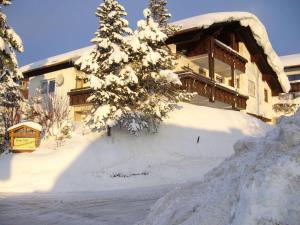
point(192, 141)
point(258, 185)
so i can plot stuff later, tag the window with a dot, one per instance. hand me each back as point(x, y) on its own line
point(51, 86)
point(47, 86)
point(44, 87)
point(266, 95)
point(294, 77)
point(251, 88)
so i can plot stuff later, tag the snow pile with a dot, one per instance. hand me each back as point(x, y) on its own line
point(246, 20)
point(291, 60)
point(258, 185)
point(192, 141)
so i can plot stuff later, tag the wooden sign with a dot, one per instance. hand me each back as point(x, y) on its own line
point(24, 143)
point(25, 137)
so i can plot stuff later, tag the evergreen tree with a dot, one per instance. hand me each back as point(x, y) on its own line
point(161, 15)
point(159, 12)
point(10, 42)
point(111, 76)
point(154, 64)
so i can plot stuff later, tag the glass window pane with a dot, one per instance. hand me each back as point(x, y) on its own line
point(51, 86)
point(44, 86)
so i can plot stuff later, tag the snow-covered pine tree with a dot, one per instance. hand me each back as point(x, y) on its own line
point(159, 12)
point(107, 65)
point(161, 15)
point(159, 87)
point(10, 96)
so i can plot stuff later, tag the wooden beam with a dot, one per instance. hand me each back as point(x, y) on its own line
point(267, 77)
point(47, 69)
point(234, 102)
point(255, 57)
point(211, 62)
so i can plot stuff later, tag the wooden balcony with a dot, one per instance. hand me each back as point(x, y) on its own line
point(215, 56)
point(208, 88)
point(79, 96)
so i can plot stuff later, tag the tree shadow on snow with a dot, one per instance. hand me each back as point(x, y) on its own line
point(119, 161)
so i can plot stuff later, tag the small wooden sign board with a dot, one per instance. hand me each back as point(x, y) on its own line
point(25, 137)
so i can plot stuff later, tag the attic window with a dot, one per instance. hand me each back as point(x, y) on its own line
point(266, 95)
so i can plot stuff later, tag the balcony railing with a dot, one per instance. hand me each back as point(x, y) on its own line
point(206, 87)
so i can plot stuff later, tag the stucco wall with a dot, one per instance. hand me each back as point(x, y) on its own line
point(256, 104)
point(69, 82)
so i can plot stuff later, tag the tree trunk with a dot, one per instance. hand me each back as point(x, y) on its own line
point(108, 131)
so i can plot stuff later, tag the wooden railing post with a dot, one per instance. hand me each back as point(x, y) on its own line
point(211, 63)
point(234, 103)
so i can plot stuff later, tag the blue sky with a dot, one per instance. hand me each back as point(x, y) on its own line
point(50, 27)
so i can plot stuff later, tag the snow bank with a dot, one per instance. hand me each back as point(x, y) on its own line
point(258, 185)
point(291, 60)
point(93, 162)
point(246, 20)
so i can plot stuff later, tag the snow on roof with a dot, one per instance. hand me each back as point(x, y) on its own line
point(246, 19)
point(291, 60)
point(66, 57)
point(31, 124)
point(203, 21)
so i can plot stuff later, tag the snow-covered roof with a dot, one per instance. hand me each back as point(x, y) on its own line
point(31, 124)
point(203, 21)
point(246, 20)
point(291, 60)
point(66, 57)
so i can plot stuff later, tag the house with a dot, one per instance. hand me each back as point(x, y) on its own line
point(291, 65)
point(225, 57)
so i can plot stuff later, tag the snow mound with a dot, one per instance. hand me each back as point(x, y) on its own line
point(192, 141)
point(258, 185)
point(246, 19)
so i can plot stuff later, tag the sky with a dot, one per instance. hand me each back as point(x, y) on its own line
point(51, 27)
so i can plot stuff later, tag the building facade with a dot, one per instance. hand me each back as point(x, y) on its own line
point(291, 65)
point(220, 56)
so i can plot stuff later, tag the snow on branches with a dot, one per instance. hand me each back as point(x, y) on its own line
point(132, 77)
point(111, 76)
point(10, 42)
point(161, 15)
point(154, 63)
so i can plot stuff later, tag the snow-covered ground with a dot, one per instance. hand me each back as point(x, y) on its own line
point(258, 185)
point(191, 142)
point(124, 207)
